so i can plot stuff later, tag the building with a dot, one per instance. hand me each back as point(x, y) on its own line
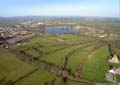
point(117, 71)
point(114, 59)
point(17, 39)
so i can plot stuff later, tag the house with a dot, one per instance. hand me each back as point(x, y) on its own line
point(117, 71)
point(8, 42)
point(114, 59)
point(112, 71)
point(111, 75)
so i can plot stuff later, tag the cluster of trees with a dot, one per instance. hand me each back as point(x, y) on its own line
point(114, 47)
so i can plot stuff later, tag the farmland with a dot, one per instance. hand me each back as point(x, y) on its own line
point(62, 59)
point(11, 68)
point(75, 54)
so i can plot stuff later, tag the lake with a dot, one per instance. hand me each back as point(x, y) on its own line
point(60, 30)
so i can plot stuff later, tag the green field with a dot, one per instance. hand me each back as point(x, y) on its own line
point(75, 60)
point(51, 50)
point(12, 68)
point(96, 66)
point(37, 78)
point(56, 57)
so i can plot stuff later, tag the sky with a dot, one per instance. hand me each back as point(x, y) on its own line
point(100, 8)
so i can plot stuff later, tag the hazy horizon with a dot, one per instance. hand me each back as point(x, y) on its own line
point(82, 8)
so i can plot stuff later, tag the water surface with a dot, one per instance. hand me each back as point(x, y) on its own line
point(59, 30)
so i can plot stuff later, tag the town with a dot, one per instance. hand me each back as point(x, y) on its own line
point(24, 30)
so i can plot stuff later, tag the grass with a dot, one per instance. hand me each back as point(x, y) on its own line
point(27, 51)
point(43, 40)
point(69, 82)
point(31, 53)
point(117, 50)
point(47, 49)
point(118, 78)
point(40, 77)
point(89, 48)
point(37, 78)
point(11, 67)
point(96, 67)
point(68, 36)
point(75, 60)
point(56, 57)
point(113, 31)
